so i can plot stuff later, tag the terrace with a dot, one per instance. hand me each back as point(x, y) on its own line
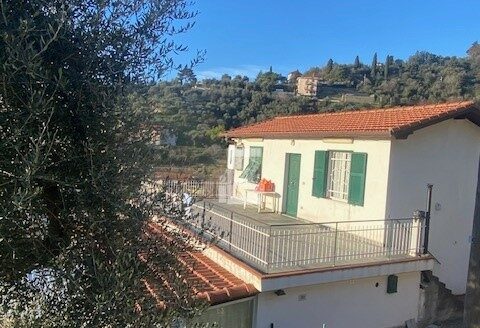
point(272, 242)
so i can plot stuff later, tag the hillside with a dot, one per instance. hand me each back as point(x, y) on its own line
point(197, 112)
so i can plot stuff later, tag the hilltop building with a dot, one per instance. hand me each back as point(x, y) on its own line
point(308, 85)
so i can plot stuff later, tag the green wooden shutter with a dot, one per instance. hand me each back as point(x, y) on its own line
point(320, 168)
point(356, 189)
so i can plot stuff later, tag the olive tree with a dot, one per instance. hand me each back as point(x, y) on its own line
point(75, 158)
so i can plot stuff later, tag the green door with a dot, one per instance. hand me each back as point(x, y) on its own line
point(293, 181)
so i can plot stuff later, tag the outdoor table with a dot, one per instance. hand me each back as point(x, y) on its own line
point(262, 199)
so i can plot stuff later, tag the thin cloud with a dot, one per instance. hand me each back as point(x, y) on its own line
point(250, 71)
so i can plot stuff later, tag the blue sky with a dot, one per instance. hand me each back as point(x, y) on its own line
point(246, 36)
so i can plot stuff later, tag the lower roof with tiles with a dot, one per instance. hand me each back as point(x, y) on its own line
point(208, 280)
point(397, 122)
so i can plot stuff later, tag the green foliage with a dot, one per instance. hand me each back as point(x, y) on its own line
point(424, 77)
point(266, 82)
point(186, 75)
point(315, 71)
point(75, 155)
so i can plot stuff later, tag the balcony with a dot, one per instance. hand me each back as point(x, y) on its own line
point(273, 243)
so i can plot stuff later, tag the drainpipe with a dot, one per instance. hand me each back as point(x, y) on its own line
point(427, 217)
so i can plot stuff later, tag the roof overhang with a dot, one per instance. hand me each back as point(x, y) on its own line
point(314, 135)
point(470, 113)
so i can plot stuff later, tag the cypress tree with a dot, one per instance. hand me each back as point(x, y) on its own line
point(329, 65)
point(387, 66)
point(374, 66)
point(357, 62)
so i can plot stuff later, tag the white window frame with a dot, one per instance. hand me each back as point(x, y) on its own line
point(339, 163)
point(239, 158)
point(231, 157)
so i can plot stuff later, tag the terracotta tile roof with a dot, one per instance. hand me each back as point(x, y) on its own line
point(394, 121)
point(209, 280)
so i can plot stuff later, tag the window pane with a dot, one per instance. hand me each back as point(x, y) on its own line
point(256, 155)
point(252, 171)
point(239, 158)
point(339, 174)
point(256, 152)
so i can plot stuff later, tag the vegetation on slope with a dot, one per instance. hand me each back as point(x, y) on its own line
point(198, 112)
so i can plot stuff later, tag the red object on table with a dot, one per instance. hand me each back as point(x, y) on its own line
point(265, 185)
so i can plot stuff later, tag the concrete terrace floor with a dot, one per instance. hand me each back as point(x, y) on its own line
point(251, 212)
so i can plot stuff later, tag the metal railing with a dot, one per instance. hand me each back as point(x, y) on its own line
point(196, 188)
point(277, 248)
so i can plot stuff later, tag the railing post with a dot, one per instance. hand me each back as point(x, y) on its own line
point(231, 231)
point(390, 236)
point(269, 249)
point(419, 218)
point(335, 247)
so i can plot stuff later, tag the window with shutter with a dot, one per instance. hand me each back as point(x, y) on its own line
point(253, 170)
point(340, 175)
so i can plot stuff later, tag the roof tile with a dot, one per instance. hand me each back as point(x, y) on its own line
point(381, 122)
point(208, 279)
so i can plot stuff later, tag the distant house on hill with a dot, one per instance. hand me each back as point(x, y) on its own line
point(163, 137)
point(308, 85)
point(293, 76)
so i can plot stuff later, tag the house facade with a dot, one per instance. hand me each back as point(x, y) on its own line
point(308, 85)
point(374, 164)
point(368, 208)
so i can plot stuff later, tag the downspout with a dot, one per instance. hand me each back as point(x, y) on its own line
point(427, 218)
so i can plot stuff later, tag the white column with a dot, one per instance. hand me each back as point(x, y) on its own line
point(414, 249)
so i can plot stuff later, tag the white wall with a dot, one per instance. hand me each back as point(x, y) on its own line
point(238, 314)
point(321, 209)
point(445, 155)
point(353, 303)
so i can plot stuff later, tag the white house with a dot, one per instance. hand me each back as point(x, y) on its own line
point(347, 249)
